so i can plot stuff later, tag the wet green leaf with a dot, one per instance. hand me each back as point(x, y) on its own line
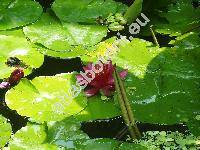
point(67, 40)
point(16, 13)
point(163, 84)
point(194, 125)
point(17, 46)
point(98, 109)
point(128, 146)
point(86, 11)
point(30, 137)
point(64, 132)
point(182, 17)
point(5, 131)
point(97, 144)
point(46, 98)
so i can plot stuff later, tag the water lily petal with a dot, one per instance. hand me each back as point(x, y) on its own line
point(79, 77)
point(4, 85)
point(123, 74)
point(103, 81)
point(88, 67)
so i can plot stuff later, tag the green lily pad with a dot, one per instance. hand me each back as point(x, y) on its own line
point(102, 144)
point(163, 84)
point(30, 137)
point(97, 144)
point(64, 40)
point(77, 51)
point(50, 98)
point(194, 124)
point(98, 109)
point(64, 132)
point(86, 11)
point(5, 131)
point(18, 13)
point(102, 50)
point(181, 18)
point(17, 46)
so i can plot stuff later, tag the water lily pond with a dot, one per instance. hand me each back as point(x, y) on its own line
point(99, 74)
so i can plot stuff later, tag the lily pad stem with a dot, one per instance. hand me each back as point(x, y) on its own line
point(125, 107)
point(154, 36)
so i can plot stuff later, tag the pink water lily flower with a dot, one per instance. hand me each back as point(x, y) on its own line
point(103, 81)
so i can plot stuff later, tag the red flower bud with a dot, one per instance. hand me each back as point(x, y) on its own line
point(16, 75)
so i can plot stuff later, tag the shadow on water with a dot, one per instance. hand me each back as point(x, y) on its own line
point(53, 66)
point(114, 127)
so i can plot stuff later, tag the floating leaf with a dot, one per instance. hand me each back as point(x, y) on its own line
point(194, 125)
point(97, 144)
point(67, 40)
point(5, 131)
point(17, 46)
point(30, 137)
point(46, 98)
point(102, 50)
point(181, 18)
point(98, 109)
point(64, 132)
point(18, 13)
point(86, 11)
point(102, 144)
point(162, 83)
